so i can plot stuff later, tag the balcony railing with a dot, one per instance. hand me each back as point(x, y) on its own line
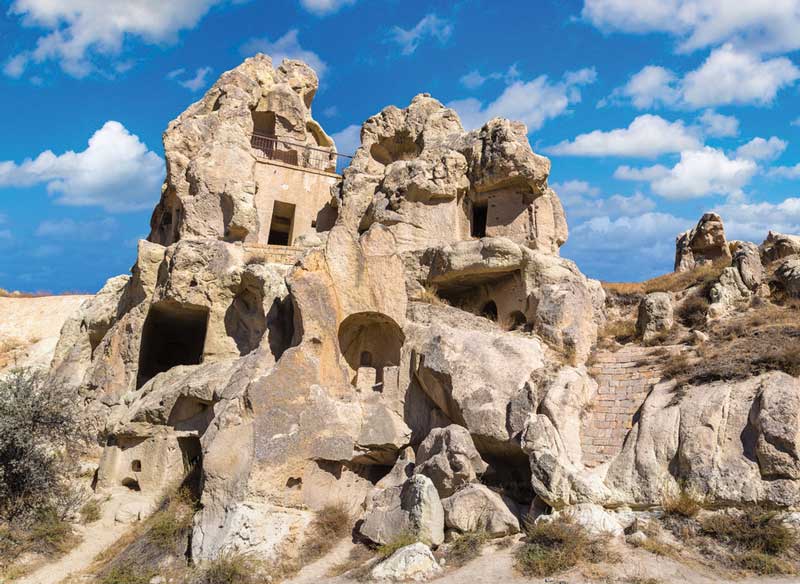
point(296, 154)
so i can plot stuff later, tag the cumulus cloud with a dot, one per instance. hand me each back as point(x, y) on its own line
point(718, 125)
point(431, 26)
point(532, 102)
point(647, 136)
point(761, 149)
point(475, 79)
point(632, 246)
point(69, 229)
point(79, 31)
point(286, 47)
point(729, 76)
point(348, 140)
point(753, 220)
point(790, 172)
point(325, 7)
point(116, 172)
point(765, 26)
point(699, 173)
point(199, 81)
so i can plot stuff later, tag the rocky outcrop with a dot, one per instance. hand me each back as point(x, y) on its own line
point(478, 508)
point(788, 275)
point(703, 245)
point(432, 183)
point(779, 245)
point(655, 315)
point(413, 562)
point(448, 457)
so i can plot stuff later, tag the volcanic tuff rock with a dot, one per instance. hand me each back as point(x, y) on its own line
point(416, 310)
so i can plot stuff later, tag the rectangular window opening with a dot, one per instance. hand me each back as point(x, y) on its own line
point(280, 229)
point(478, 223)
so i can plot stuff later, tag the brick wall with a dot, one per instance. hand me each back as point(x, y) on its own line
point(624, 379)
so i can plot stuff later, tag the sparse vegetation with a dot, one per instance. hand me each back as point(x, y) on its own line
point(692, 313)
point(330, 526)
point(401, 541)
point(672, 282)
point(557, 546)
point(756, 539)
point(129, 573)
point(232, 569)
point(467, 547)
point(172, 522)
point(429, 295)
point(90, 512)
point(357, 562)
point(621, 331)
point(683, 504)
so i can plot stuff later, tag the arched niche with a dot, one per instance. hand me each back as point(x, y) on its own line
point(371, 339)
point(489, 310)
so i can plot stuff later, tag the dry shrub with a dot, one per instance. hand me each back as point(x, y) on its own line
point(128, 573)
point(692, 312)
point(621, 331)
point(467, 547)
point(401, 541)
point(683, 504)
point(757, 539)
point(91, 511)
point(330, 525)
point(232, 569)
point(170, 526)
point(557, 546)
point(430, 295)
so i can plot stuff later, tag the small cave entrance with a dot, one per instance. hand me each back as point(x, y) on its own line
point(192, 452)
point(489, 310)
point(131, 484)
point(172, 335)
point(280, 228)
point(191, 414)
point(517, 321)
point(371, 339)
point(393, 148)
point(264, 123)
point(480, 213)
point(245, 320)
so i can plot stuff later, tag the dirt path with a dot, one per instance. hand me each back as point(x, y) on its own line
point(95, 538)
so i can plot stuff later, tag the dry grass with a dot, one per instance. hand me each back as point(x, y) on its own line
point(91, 511)
point(329, 527)
point(171, 525)
point(48, 537)
point(430, 295)
point(672, 282)
point(401, 541)
point(683, 504)
point(466, 548)
point(621, 331)
point(692, 312)
point(555, 547)
point(233, 569)
point(357, 564)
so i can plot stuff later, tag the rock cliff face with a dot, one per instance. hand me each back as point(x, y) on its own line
point(433, 320)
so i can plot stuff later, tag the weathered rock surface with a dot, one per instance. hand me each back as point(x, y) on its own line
point(413, 508)
point(449, 458)
point(788, 274)
point(476, 507)
point(593, 518)
point(704, 244)
point(779, 245)
point(655, 315)
point(413, 562)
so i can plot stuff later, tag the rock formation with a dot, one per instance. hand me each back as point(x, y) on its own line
point(403, 341)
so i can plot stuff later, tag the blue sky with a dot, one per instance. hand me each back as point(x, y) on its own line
point(652, 111)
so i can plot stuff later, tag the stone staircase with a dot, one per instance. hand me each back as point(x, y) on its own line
point(277, 254)
point(624, 379)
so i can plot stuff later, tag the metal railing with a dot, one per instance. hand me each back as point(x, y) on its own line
point(296, 154)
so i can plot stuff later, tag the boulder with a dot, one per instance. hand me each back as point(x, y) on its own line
point(593, 518)
point(413, 508)
point(449, 458)
point(728, 293)
point(788, 275)
point(655, 315)
point(778, 245)
point(703, 245)
point(747, 260)
point(476, 507)
point(413, 562)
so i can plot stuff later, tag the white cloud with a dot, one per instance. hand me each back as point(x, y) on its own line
point(69, 229)
point(286, 47)
point(699, 173)
point(116, 172)
point(789, 172)
point(431, 26)
point(80, 31)
point(637, 245)
point(532, 102)
point(718, 125)
point(761, 149)
point(759, 25)
point(199, 81)
point(728, 76)
point(752, 221)
point(581, 200)
point(796, 122)
point(348, 140)
point(324, 7)
point(650, 87)
point(475, 79)
point(575, 188)
point(647, 136)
